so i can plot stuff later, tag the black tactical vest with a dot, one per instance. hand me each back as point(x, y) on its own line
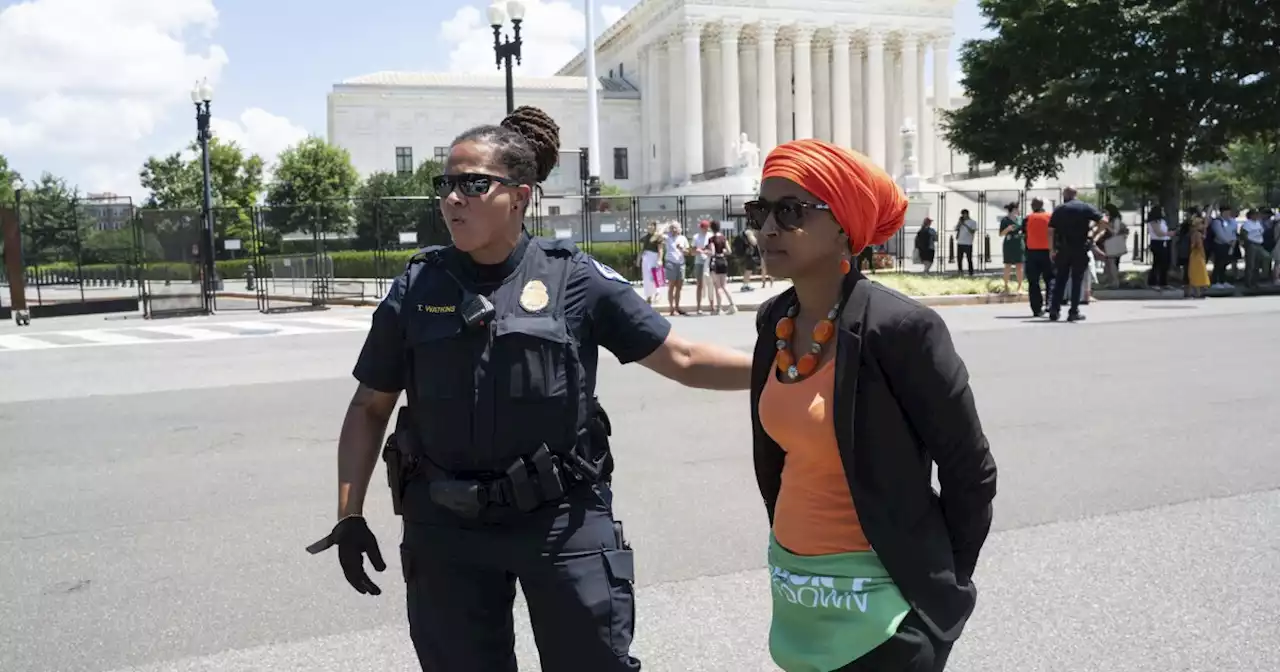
point(484, 396)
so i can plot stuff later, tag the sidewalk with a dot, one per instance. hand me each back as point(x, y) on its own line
point(744, 300)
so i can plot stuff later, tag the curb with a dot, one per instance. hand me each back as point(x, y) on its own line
point(931, 301)
point(1175, 294)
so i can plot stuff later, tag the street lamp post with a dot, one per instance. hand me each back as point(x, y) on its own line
point(507, 48)
point(12, 265)
point(202, 96)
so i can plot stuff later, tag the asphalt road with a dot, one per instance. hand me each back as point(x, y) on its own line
point(157, 498)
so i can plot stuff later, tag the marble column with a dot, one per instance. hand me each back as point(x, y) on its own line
point(875, 94)
point(675, 109)
point(748, 64)
point(909, 78)
point(785, 85)
point(731, 114)
point(802, 59)
point(660, 139)
point(712, 104)
point(822, 89)
point(691, 37)
point(857, 97)
point(766, 78)
point(646, 117)
point(924, 115)
point(941, 101)
point(786, 94)
point(841, 95)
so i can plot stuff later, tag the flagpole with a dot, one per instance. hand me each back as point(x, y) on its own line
point(593, 101)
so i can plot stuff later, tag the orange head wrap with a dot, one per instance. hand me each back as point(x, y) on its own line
point(865, 201)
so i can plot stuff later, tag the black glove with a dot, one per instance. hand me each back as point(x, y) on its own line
point(354, 539)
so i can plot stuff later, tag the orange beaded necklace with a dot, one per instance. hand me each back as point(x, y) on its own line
point(786, 361)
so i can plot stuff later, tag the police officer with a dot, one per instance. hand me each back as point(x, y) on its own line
point(500, 464)
point(1070, 228)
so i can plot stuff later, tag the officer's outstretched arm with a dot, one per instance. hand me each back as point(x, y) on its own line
point(359, 445)
point(702, 365)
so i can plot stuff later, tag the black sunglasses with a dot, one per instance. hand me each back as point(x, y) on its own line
point(788, 212)
point(469, 184)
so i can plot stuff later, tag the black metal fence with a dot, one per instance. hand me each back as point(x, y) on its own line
point(86, 257)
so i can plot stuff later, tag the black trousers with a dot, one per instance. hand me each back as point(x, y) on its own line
point(1039, 268)
point(911, 649)
point(1068, 267)
point(1221, 260)
point(1161, 259)
point(964, 252)
point(573, 568)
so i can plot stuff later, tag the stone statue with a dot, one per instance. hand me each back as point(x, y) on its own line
point(909, 180)
point(746, 152)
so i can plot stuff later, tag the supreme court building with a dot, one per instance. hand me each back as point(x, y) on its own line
point(680, 81)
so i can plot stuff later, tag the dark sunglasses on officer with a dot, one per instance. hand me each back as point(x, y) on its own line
point(469, 184)
point(788, 212)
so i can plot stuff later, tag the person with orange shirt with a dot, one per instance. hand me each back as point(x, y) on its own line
point(1039, 265)
point(869, 568)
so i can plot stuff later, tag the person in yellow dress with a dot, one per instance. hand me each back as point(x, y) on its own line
point(1197, 270)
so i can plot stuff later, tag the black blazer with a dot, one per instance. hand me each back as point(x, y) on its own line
point(902, 402)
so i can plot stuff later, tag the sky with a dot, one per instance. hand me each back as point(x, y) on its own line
point(90, 88)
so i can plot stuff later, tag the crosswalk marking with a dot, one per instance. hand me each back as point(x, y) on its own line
point(13, 342)
point(276, 329)
point(190, 333)
point(341, 323)
point(105, 337)
point(193, 331)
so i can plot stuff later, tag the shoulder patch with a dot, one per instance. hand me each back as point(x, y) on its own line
point(566, 247)
point(607, 272)
point(429, 253)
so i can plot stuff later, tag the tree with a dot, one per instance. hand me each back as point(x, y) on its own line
point(7, 178)
point(51, 226)
point(175, 182)
point(388, 204)
point(1155, 84)
point(612, 198)
point(312, 188)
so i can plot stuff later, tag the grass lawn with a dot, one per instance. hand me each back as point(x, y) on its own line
point(948, 284)
point(919, 284)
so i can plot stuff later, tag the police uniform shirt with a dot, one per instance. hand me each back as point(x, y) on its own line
point(600, 306)
point(1071, 222)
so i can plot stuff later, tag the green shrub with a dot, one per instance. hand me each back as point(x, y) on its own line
point(622, 257)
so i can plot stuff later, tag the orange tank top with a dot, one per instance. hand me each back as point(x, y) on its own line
point(1038, 231)
point(815, 513)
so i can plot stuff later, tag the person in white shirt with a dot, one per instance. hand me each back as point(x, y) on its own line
point(676, 248)
point(1160, 241)
point(701, 256)
point(1222, 233)
point(1256, 257)
point(965, 229)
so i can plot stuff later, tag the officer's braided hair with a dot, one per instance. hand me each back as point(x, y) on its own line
point(526, 143)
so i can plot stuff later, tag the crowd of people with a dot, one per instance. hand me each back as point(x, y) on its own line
point(1217, 235)
point(667, 256)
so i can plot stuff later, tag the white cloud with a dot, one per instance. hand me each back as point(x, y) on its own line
point(611, 14)
point(260, 132)
point(553, 33)
point(89, 75)
point(87, 85)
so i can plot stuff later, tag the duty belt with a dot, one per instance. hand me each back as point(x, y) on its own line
point(527, 484)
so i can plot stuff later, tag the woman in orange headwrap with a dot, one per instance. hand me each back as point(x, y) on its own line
point(856, 392)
